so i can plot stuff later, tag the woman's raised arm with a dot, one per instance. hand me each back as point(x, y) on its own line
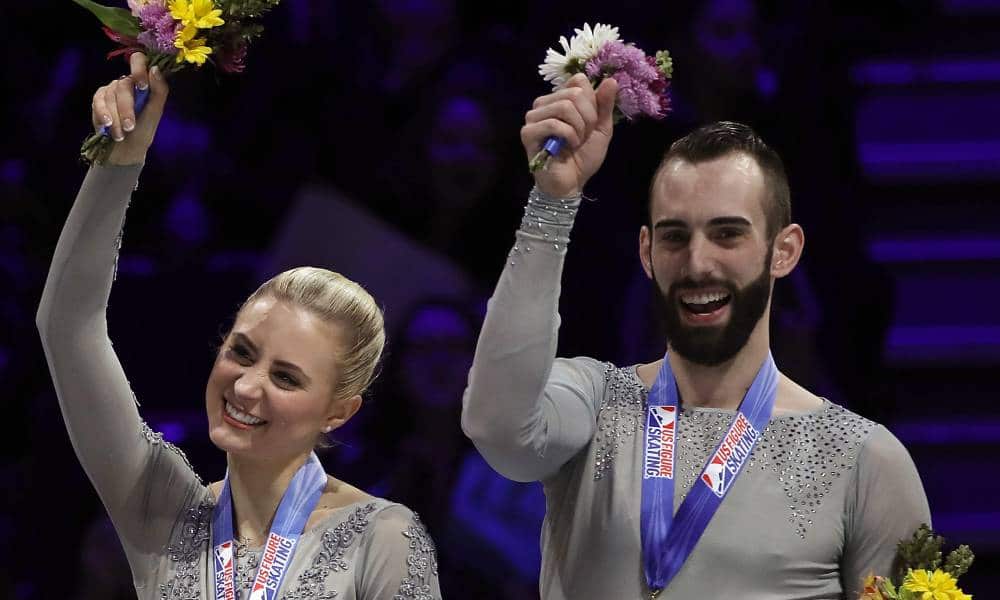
point(142, 481)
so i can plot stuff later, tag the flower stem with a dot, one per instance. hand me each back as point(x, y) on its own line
point(539, 160)
point(95, 149)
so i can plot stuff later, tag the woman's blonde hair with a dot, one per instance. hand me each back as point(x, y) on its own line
point(335, 299)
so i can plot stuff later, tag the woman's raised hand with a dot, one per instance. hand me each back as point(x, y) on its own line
point(114, 107)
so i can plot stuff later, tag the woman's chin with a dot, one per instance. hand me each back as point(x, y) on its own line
point(226, 439)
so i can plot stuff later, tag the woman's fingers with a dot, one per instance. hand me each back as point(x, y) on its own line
point(138, 65)
point(100, 115)
point(110, 103)
point(125, 100)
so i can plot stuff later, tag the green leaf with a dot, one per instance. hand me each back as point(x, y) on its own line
point(959, 561)
point(117, 19)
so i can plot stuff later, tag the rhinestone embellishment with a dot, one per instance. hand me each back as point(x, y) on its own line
point(805, 454)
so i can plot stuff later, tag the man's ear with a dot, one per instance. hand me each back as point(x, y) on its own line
point(787, 250)
point(645, 244)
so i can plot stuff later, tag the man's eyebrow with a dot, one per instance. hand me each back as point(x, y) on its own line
point(716, 222)
point(663, 223)
point(719, 221)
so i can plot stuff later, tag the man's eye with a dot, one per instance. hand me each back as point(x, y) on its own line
point(674, 237)
point(726, 234)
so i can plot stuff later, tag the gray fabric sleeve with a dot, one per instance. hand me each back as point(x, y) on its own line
point(400, 561)
point(526, 412)
point(143, 482)
point(887, 506)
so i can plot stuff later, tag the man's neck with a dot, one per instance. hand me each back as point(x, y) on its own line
point(257, 488)
point(718, 386)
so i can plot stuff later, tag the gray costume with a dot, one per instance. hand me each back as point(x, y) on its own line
point(162, 511)
point(823, 500)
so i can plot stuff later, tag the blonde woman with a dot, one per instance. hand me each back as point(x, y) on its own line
point(302, 350)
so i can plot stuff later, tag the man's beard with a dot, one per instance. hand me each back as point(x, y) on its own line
point(713, 345)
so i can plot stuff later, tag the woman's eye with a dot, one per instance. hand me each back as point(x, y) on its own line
point(286, 379)
point(240, 352)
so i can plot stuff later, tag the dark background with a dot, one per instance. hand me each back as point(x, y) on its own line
point(381, 139)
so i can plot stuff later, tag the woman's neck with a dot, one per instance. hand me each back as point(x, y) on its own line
point(257, 487)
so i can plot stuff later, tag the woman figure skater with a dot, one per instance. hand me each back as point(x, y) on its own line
point(302, 350)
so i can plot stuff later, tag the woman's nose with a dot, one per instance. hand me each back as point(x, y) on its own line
point(250, 385)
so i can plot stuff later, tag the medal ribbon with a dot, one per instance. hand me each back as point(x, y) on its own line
point(668, 539)
point(297, 503)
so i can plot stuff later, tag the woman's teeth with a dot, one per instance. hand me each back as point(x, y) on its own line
point(242, 417)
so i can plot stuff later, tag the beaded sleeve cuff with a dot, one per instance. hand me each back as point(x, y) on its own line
point(548, 219)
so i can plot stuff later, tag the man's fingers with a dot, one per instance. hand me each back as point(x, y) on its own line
point(140, 75)
point(579, 80)
point(607, 92)
point(582, 97)
point(564, 110)
point(534, 134)
point(576, 93)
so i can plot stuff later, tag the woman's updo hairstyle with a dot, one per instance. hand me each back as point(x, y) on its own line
point(335, 299)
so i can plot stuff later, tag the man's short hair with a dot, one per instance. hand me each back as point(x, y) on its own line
point(718, 139)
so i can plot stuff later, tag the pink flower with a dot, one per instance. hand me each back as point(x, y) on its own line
point(160, 28)
point(641, 86)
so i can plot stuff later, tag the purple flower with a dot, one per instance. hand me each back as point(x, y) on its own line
point(160, 29)
point(641, 86)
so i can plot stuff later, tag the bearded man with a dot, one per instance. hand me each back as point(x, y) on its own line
point(708, 473)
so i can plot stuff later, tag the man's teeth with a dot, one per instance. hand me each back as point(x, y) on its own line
point(703, 298)
point(241, 416)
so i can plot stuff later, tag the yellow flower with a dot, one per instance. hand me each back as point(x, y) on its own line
point(199, 13)
point(192, 50)
point(933, 586)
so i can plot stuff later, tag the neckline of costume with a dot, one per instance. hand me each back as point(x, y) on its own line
point(777, 414)
point(320, 526)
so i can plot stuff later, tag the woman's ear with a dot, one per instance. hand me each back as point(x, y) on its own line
point(341, 412)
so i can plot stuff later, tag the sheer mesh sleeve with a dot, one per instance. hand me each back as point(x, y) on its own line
point(526, 412)
point(144, 482)
point(887, 506)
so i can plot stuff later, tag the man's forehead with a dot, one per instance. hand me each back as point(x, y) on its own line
point(731, 185)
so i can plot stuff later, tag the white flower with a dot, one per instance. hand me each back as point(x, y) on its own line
point(578, 50)
point(136, 5)
point(588, 42)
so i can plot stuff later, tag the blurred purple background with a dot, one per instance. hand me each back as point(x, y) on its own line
point(381, 140)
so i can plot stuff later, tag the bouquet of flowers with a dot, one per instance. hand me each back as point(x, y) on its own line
point(176, 34)
point(643, 81)
point(920, 573)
